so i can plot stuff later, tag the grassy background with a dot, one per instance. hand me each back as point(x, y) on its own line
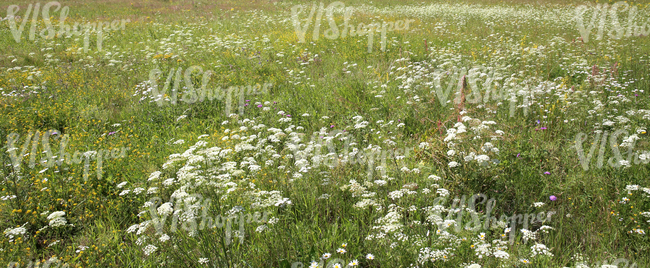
point(85, 102)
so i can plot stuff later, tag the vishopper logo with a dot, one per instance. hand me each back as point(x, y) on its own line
point(617, 30)
point(475, 85)
point(628, 141)
point(186, 212)
point(193, 94)
point(372, 155)
point(458, 209)
point(49, 32)
point(348, 29)
point(50, 158)
point(479, 79)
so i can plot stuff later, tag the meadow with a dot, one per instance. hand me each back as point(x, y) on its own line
point(265, 133)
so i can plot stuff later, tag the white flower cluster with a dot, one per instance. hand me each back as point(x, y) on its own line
point(57, 219)
point(234, 169)
point(13, 232)
point(459, 142)
point(540, 249)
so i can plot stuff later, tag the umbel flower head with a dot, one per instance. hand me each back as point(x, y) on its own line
point(12, 232)
point(57, 219)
